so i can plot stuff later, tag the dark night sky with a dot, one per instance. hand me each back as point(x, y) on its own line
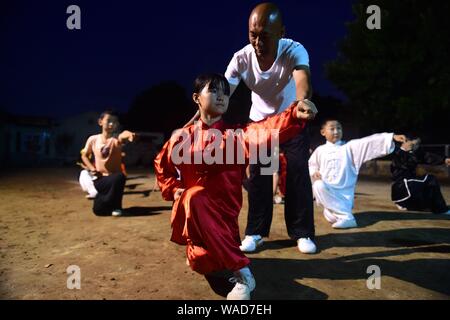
point(124, 47)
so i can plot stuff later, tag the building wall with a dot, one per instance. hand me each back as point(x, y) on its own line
point(27, 145)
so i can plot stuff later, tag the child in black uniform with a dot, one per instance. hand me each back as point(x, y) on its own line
point(412, 192)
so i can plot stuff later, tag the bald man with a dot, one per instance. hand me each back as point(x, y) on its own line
point(276, 70)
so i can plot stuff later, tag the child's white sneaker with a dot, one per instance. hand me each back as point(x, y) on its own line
point(91, 195)
point(306, 245)
point(250, 243)
point(401, 208)
point(245, 284)
point(117, 213)
point(241, 291)
point(345, 224)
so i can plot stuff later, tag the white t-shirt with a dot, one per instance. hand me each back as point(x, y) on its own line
point(272, 90)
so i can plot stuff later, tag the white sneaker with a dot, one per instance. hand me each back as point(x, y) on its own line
point(91, 195)
point(245, 284)
point(117, 213)
point(306, 245)
point(401, 208)
point(345, 224)
point(240, 291)
point(277, 199)
point(250, 243)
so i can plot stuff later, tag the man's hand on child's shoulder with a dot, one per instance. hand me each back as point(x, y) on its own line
point(306, 109)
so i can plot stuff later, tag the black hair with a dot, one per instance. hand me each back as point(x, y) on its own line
point(325, 121)
point(411, 136)
point(215, 81)
point(110, 112)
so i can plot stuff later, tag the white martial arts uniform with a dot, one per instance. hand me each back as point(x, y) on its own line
point(87, 184)
point(339, 165)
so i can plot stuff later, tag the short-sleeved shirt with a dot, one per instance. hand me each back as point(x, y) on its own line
point(272, 90)
point(107, 154)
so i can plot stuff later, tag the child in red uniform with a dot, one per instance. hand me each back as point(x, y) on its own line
point(208, 197)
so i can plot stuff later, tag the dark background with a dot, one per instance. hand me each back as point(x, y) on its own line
point(140, 57)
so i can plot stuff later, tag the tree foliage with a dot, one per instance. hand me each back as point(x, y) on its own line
point(398, 77)
point(161, 108)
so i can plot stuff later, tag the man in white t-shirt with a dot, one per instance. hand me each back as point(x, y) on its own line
point(276, 70)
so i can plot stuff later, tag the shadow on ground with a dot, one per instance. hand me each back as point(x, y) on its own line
point(137, 177)
point(132, 186)
point(279, 278)
point(145, 193)
point(368, 218)
point(144, 211)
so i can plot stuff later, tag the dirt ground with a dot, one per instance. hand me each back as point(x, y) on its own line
point(46, 225)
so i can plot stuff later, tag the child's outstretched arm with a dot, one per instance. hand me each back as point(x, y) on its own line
point(306, 110)
point(399, 138)
point(288, 123)
point(371, 147)
point(127, 136)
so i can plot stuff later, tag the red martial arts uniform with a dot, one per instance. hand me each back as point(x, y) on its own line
point(205, 217)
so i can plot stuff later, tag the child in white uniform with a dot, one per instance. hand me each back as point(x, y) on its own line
point(334, 168)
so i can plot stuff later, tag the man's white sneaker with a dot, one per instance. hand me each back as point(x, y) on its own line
point(277, 199)
point(345, 224)
point(401, 208)
point(250, 243)
point(306, 245)
point(245, 284)
point(117, 213)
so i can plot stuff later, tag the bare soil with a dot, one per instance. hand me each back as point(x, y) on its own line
point(47, 225)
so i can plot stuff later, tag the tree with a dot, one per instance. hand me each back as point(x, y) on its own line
point(161, 108)
point(398, 77)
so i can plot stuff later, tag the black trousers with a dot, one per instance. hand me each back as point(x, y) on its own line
point(425, 195)
point(298, 209)
point(110, 193)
